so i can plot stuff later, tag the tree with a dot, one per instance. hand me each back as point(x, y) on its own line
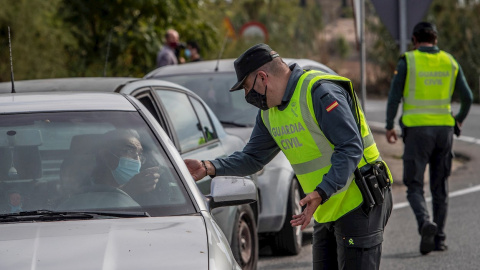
point(34, 37)
point(291, 27)
point(458, 34)
point(130, 31)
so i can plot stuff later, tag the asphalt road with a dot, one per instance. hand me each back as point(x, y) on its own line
point(401, 239)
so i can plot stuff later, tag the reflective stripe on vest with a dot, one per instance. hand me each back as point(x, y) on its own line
point(297, 133)
point(428, 89)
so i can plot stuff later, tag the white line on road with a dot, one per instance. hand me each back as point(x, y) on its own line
point(450, 195)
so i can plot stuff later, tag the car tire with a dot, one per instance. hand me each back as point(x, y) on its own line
point(245, 238)
point(288, 241)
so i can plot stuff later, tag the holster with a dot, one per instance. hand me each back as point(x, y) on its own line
point(372, 180)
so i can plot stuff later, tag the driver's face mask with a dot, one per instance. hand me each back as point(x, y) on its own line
point(127, 168)
point(256, 99)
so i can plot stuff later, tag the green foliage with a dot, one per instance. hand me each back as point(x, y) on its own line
point(342, 47)
point(35, 38)
point(458, 34)
point(135, 30)
point(59, 38)
point(291, 28)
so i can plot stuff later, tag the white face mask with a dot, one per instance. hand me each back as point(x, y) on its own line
point(126, 169)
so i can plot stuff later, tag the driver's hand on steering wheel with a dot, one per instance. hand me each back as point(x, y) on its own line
point(144, 181)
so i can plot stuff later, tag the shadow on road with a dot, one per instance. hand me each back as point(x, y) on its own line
point(266, 251)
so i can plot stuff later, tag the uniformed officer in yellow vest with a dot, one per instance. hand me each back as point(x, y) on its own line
point(315, 119)
point(425, 79)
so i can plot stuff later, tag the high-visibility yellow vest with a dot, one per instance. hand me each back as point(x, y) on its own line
point(428, 89)
point(296, 131)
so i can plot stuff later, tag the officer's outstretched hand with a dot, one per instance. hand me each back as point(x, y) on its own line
point(312, 200)
point(391, 136)
point(195, 168)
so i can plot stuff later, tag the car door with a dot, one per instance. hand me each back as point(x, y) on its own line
point(195, 132)
point(198, 134)
point(187, 122)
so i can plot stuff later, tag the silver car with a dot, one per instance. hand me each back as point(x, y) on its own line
point(57, 211)
point(280, 191)
point(194, 130)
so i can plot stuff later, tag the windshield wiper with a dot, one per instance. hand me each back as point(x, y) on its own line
point(48, 215)
point(233, 124)
point(123, 214)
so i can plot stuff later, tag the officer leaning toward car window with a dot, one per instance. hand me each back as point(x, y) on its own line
point(426, 78)
point(315, 120)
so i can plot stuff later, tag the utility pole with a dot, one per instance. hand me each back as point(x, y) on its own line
point(363, 56)
point(402, 9)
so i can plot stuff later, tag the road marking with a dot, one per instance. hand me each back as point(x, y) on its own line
point(379, 125)
point(468, 139)
point(450, 195)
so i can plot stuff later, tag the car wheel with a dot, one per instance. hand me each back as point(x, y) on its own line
point(288, 241)
point(245, 238)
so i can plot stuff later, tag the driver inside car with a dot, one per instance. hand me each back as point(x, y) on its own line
point(120, 162)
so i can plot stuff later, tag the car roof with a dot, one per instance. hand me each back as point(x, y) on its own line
point(225, 65)
point(63, 101)
point(100, 84)
point(86, 84)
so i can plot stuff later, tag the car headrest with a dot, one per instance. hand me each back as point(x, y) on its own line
point(85, 144)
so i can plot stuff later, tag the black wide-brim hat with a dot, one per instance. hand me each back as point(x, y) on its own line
point(251, 60)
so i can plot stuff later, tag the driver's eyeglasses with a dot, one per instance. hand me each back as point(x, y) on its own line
point(130, 153)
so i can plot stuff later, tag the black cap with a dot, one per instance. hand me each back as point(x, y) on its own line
point(250, 60)
point(424, 26)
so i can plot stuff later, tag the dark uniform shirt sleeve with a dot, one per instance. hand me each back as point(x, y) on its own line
point(340, 129)
point(260, 149)
point(396, 92)
point(466, 96)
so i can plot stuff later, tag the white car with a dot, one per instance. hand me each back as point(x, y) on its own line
point(194, 130)
point(58, 211)
point(280, 191)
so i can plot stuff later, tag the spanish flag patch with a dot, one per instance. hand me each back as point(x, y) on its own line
point(332, 106)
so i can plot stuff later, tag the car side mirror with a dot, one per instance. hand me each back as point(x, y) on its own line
point(231, 190)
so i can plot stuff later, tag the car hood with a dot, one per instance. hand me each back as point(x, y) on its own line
point(134, 243)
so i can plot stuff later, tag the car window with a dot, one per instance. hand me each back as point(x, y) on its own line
point(229, 107)
point(71, 161)
point(183, 118)
point(207, 127)
point(147, 101)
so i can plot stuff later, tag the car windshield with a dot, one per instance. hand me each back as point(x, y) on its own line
point(86, 161)
point(229, 107)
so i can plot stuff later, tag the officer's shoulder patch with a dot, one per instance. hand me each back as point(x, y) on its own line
point(332, 106)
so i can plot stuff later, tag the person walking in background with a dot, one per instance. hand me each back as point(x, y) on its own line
point(192, 52)
point(426, 78)
point(315, 119)
point(166, 56)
